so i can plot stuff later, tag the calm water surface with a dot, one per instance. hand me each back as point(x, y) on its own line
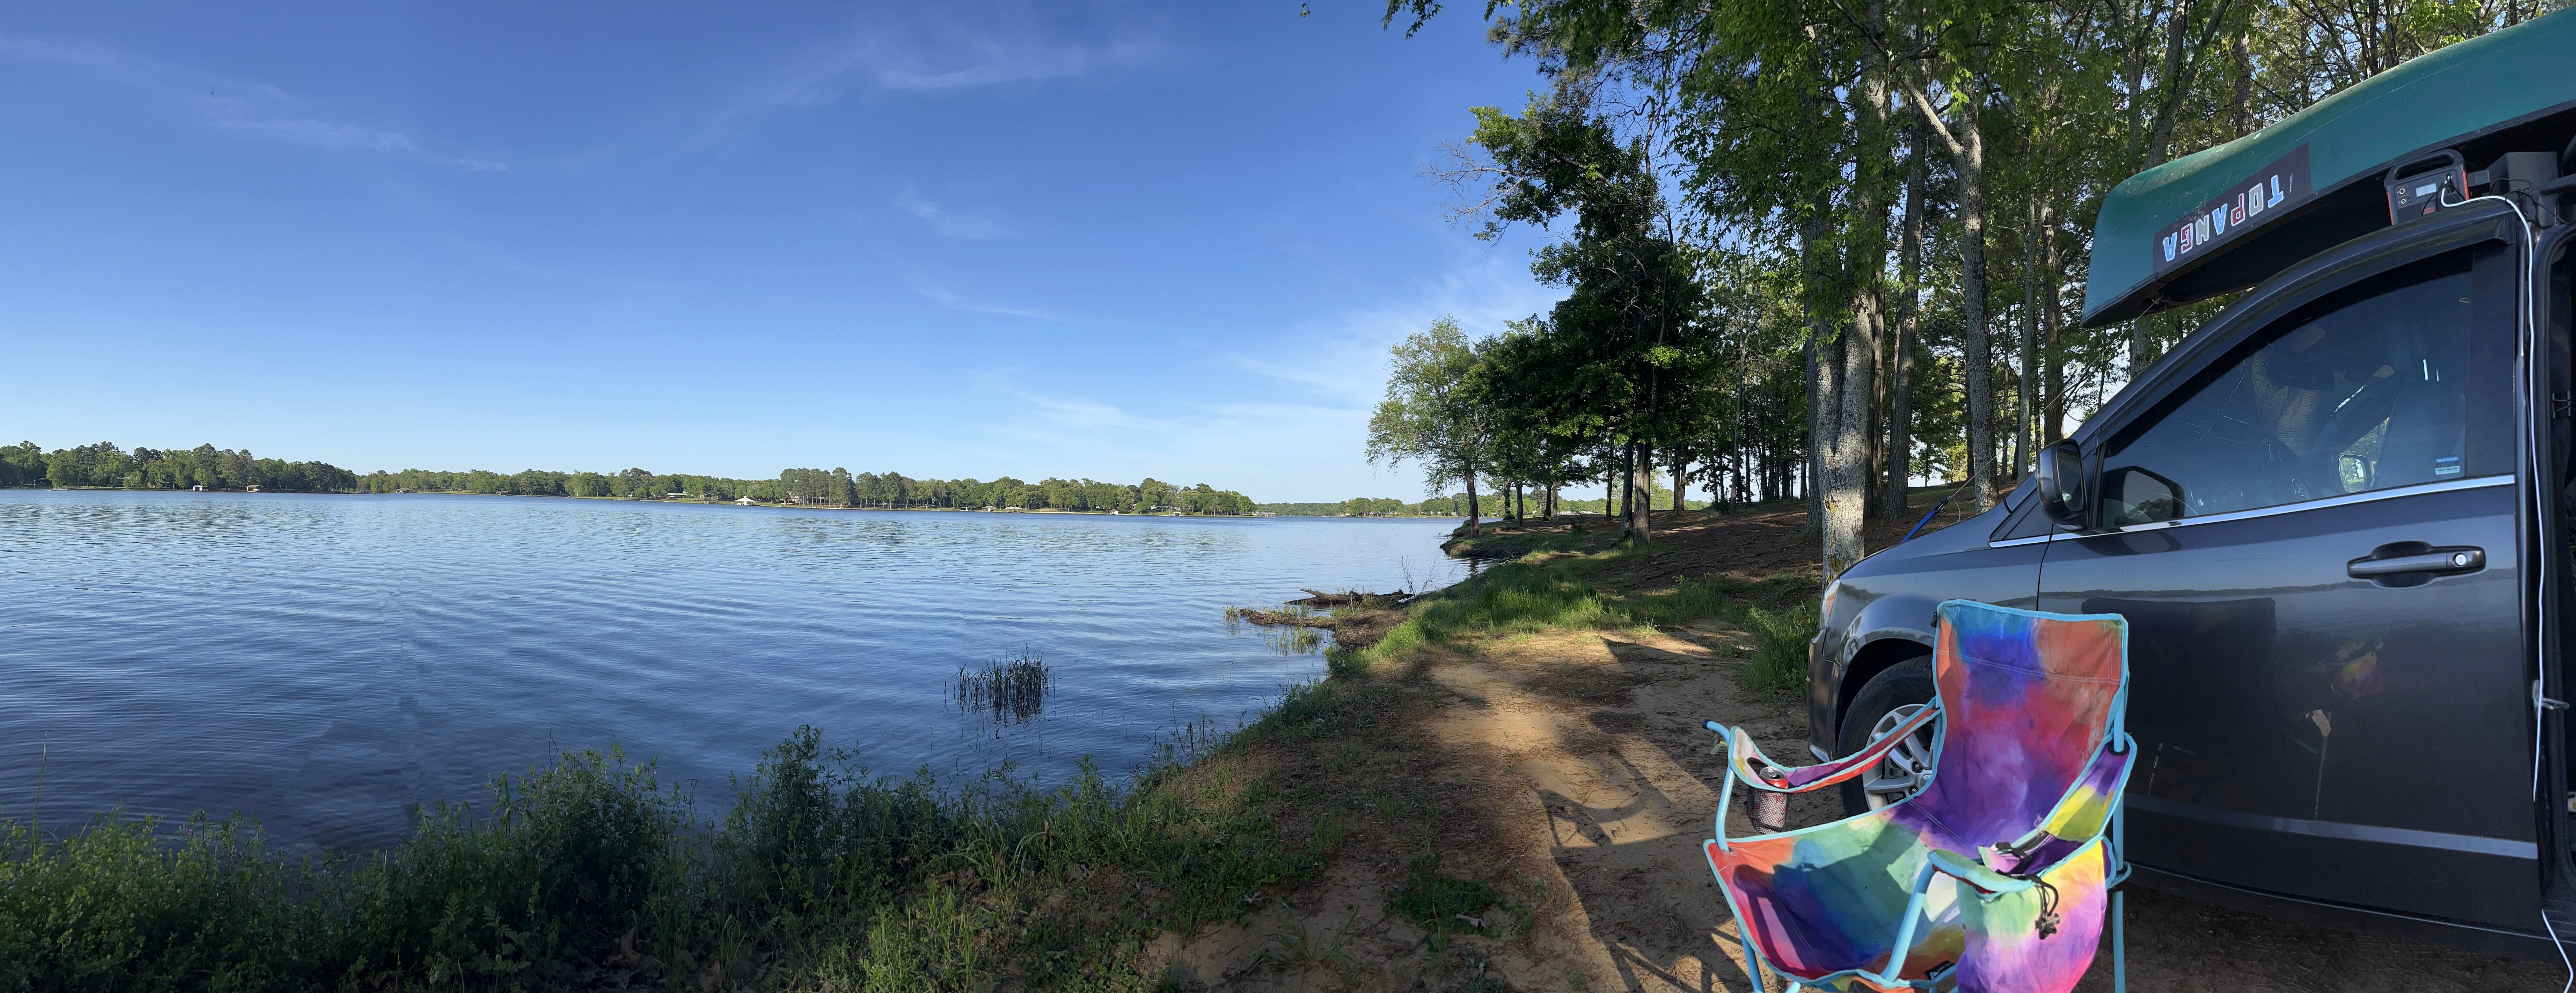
point(324, 662)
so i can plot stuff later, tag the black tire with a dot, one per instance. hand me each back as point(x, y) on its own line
point(1907, 682)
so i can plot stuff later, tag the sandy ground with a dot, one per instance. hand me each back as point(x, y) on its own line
point(1568, 770)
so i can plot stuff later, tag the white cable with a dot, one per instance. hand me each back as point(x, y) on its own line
point(2524, 342)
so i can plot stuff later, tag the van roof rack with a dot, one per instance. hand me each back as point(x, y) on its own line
point(2319, 177)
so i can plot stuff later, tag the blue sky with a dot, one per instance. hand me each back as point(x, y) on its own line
point(1105, 240)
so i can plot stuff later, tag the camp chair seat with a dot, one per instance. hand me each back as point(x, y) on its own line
point(1993, 876)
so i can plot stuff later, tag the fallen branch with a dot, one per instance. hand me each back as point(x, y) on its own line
point(1349, 598)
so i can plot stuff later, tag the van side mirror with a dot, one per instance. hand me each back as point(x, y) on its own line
point(2061, 482)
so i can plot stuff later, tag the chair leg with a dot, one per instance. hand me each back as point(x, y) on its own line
point(1752, 958)
point(2119, 941)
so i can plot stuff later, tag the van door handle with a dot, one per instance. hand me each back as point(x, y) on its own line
point(2461, 559)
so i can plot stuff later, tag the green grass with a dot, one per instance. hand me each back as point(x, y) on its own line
point(818, 877)
point(1538, 594)
point(1497, 543)
point(1444, 905)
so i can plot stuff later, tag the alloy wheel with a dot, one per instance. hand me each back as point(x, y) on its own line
point(1906, 766)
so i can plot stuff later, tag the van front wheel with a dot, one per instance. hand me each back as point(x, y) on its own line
point(1888, 700)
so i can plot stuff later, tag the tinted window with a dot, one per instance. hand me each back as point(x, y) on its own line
point(2371, 390)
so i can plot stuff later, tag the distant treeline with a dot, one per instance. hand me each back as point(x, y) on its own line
point(105, 464)
point(1373, 507)
point(830, 488)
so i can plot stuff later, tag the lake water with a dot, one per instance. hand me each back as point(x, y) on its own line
point(324, 662)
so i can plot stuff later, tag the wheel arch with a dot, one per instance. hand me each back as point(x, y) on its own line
point(1884, 651)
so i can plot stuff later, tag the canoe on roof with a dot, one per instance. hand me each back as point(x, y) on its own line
point(2155, 246)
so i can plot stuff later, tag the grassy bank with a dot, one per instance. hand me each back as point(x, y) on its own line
point(1553, 584)
point(592, 873)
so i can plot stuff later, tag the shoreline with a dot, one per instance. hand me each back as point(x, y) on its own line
point(773, 506)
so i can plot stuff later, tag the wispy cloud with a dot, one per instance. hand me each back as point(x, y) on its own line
point(1344, 362)
point(949, 223)
point(987, 61)
point(1053, 415)
point(927, 59)
point(243, 108)
point(942, 296)
point(1273, 449)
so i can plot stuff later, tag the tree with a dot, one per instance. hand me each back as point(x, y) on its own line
point(1608, 362)
point(1429, 415)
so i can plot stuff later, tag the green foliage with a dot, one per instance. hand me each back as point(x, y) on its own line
point(1779, 666)
point(1429, 415)
point(1353, 507)
point(105, 464)
point(1624, 362)
point(817, 877)
point(1442, 905)
point(1870, 203)
point(833, 488)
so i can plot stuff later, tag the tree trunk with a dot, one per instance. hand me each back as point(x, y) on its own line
point(2026, 389)
point(1900, 414)
point(1977, 369)
point(1627, 494)
point(1815, 407)
point(1679, 464)
point(1474, 512)
point(2244, 119)
point(1844, 483)
point(1641, 488)
point(1743, 478)
point(1874, 466)
point(1966, 144)
point(2169, 109)
point(2051, 321)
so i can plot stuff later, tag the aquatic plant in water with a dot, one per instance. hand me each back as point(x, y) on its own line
point(1013, 691)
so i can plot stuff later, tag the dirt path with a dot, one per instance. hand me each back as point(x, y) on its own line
point(1566, 771)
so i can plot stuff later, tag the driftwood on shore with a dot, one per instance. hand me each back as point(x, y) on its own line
point(1349, 598)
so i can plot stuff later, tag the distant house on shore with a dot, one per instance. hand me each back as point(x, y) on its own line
point(746, 501)
point(250, 489)
point(199, 488)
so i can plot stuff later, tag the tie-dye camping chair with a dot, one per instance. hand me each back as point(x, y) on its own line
point(1992, 878)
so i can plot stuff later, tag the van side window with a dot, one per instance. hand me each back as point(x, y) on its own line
point(2370, 389)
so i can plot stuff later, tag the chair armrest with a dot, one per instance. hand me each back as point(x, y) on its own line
point(2079, 816)
point(1969, 871)
point(1750, 764)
